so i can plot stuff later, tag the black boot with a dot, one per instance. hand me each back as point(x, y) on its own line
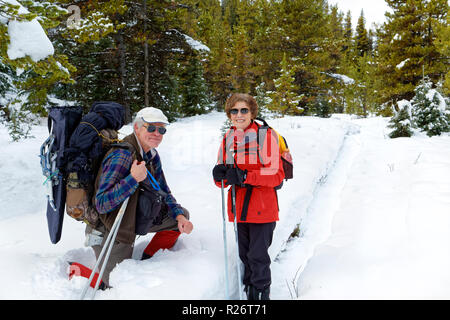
point(256, 294)
point(249, 291)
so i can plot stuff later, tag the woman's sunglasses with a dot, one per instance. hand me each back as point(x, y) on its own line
point(151, 128)
point(236, 111)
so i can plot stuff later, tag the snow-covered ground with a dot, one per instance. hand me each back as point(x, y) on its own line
point(373, 213)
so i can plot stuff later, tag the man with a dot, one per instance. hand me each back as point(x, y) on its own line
point(122, 174)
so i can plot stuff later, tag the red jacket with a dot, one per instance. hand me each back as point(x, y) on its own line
point(264, 172)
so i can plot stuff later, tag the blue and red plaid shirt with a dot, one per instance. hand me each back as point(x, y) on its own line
point(116, 182)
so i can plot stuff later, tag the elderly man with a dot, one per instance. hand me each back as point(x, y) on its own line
point(124, 173)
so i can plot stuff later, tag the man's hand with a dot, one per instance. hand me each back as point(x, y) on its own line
point(184, 225)
point(138, 171)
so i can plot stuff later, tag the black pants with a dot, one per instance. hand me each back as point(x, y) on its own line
point(254, 241)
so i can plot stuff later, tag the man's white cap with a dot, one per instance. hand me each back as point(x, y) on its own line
point(151, 114)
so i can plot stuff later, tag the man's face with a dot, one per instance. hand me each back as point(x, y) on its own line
point(149, 140)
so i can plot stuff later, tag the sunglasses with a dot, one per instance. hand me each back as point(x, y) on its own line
point(151, 128)
point(236, 111)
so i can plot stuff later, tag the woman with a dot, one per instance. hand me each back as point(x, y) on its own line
point(249, 159)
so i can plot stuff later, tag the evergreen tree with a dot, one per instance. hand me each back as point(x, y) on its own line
point(429, 109)
point(401, 122)
point(361, 38)
point(285, 99)
point(322, 107)
point(241, 72)
point(193, 89)
point(219, 64)
point(264, 44)
point(331, 99)
point(348, 36)
point(303, 36)
point(360, 95)
point(263, 100)
point(407, 49)
point(442, 44)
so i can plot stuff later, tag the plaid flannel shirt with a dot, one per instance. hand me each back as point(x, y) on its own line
point(116, 182)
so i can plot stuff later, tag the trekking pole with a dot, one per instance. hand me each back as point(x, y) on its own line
point(227, 290)
point(109, 243)
point(233, 204)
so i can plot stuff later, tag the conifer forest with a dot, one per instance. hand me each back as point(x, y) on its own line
point(185, 57)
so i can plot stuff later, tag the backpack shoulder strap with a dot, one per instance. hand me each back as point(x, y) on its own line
point(121, 145)
point(261, 135)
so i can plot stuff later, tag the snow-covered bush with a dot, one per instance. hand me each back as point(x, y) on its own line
point(401, 122)
point(429, 109)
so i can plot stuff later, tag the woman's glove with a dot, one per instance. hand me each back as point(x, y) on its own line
point(219, 172)
point(235, 176)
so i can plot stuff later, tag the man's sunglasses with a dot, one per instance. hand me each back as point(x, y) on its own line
point(236, 111)
point(152, 128)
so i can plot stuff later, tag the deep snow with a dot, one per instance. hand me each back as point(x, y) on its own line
point(373, 213)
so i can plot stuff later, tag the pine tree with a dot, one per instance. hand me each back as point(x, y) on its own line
point(407, 49)
point(265, 43)
point(193, 89)
point(361, 38)
point(348, 37)
point(219, 63)
point(442, 44)
point(262, 99)
point(360, 95)
point(429, 109)
point(285, 99)
point(241, 73)
point(303, 36)
point(401, 122)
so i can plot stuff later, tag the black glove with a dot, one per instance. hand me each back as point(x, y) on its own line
point(235, 176)
point(219, 172)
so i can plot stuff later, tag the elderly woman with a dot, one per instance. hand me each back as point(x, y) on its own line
point(249, 160)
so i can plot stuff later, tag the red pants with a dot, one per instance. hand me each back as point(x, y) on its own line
point(162, 240)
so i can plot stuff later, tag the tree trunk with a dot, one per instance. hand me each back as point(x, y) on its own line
point(123, 74)
point(146, 68)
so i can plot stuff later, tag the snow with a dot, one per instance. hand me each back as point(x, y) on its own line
point(27, 38)
point(342, 77)
point(195, 44)
point(402, 64)
point(373, 216)
point(433, 94)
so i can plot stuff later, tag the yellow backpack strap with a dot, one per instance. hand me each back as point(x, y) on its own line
point(109, 139)
point(281, 142)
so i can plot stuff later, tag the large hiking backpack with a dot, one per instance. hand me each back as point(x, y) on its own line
point(71, 157)
point(285, 154)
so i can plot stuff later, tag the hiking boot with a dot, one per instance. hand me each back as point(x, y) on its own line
point(145, 256)
point(256, 294)
point(247, 291)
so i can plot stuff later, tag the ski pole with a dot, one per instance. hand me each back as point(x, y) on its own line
point(227, 290)
point(233, 203)
point(109, 243)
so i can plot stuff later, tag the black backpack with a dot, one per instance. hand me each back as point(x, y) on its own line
point(71, 156)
